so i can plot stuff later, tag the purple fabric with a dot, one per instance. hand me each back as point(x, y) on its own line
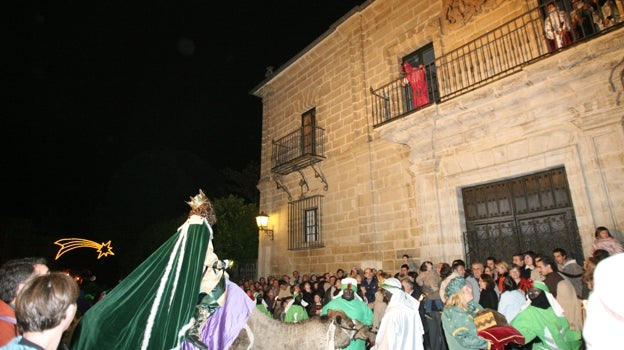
point(227, 321)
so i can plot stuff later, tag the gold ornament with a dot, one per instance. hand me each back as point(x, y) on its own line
point(198, 200)
point(201, 206)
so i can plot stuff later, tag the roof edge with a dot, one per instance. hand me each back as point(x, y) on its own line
point(332, 28)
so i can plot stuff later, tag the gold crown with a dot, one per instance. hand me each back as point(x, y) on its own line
point(198, 200)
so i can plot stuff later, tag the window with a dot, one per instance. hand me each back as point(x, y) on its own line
point(311, 226)
point(305, 223)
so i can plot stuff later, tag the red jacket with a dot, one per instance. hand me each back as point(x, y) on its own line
point(8, 326)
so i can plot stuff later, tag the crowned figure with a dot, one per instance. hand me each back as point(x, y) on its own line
point(156, 306)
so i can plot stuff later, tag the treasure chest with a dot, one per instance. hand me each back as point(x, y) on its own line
point(488, 318)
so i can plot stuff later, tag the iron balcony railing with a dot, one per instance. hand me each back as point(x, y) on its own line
point(297, 150)
point(494, 55)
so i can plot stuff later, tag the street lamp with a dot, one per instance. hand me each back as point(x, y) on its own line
point(262, 221)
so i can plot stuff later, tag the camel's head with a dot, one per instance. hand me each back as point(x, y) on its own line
point(347, 329)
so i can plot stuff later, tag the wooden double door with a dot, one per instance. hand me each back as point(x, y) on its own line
point(532, 212)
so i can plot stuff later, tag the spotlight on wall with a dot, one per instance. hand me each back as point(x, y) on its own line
point(262, 221)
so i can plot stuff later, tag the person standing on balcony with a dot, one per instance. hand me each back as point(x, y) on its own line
point(582, 17)
point(417, 81)
point(557, 27)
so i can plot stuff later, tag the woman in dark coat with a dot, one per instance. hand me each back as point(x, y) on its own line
point(488, 298)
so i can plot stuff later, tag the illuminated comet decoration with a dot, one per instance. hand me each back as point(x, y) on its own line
point(67, 244)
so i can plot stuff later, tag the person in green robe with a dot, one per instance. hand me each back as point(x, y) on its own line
point(458, 317)
point(349, 302)
point(294, 312)
point(261, 305)
point(543, 322)
point(154, 306)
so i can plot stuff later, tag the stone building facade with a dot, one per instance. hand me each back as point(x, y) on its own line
point(528, 157)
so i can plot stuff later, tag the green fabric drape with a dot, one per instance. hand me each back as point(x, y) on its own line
point(150, 308)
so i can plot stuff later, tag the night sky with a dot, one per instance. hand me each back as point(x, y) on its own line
point(94, 88)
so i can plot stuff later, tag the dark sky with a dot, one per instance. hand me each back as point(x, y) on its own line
point(92, 85)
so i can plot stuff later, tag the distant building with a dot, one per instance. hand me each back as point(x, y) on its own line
point(506, 146)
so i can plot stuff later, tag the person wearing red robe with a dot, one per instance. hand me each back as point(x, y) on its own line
point(418, 84)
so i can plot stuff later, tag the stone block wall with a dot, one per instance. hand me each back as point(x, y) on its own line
point(396, 189)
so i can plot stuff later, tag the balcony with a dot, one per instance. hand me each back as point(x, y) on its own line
point(492, 56)
point(299, 149)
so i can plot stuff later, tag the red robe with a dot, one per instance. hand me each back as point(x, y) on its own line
point(418, 83)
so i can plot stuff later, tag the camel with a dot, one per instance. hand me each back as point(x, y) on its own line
point(332, 332)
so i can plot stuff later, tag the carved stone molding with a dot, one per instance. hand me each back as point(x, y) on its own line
point(461, 11)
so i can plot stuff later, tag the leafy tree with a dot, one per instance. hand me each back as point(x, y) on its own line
point(236, 234)
point(244, 182)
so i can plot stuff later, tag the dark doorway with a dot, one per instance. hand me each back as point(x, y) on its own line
point(532, 212)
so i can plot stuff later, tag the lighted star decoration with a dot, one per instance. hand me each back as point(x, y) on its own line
point(67, 244)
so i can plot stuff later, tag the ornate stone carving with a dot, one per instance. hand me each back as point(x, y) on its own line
point(461, 11)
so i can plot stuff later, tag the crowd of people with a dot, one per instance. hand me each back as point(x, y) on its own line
point(541, 297)
point(569, 21)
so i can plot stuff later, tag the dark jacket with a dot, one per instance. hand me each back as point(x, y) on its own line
point(489, 299)
point(371, 288)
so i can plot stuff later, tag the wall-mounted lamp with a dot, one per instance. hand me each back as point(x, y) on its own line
point(262, 221)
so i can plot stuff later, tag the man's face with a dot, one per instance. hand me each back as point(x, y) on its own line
point(559, 259)
point(295, 274)
point(461, 270)
point(406, 287)
point(543, 269)
point(477, 270)
point(518, 260)
point(534, 292)
point(348, 294)
point(404, 271)
point(368, 273)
